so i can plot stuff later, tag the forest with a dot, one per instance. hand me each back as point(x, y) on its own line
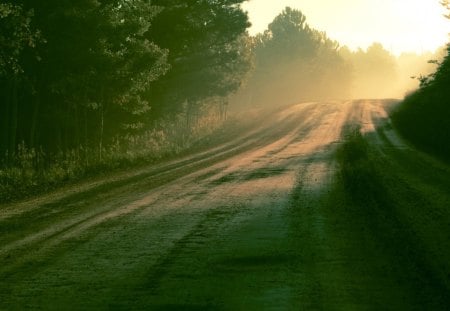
point(91, 85)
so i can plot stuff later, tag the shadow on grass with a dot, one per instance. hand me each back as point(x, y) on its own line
point(371, 201)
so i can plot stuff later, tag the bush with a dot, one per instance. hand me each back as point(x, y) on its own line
point(424, 119)
point(424, 116)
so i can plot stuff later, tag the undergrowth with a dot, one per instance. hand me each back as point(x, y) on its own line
point(32, 171)
point(357, 172)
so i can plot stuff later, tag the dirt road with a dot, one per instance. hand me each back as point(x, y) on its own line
point(272, 220)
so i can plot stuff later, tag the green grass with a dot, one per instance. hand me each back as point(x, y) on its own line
point(384, 215)
point(357, 172)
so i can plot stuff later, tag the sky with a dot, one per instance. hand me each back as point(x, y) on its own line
point(400, 25)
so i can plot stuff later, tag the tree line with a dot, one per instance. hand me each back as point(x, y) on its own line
point(81, 74)
point(294, 62)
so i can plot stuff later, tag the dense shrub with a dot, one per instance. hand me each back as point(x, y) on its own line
point(424, 116)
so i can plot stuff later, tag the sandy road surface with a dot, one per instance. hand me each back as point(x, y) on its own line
point(264, 222)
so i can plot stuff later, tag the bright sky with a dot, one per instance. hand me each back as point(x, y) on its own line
point(400, 25)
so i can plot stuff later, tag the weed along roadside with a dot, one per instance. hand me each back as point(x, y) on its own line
point(35, 173)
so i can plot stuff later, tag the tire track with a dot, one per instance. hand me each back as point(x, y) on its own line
point(119, 198)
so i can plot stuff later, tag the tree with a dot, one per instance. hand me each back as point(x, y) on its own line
point(128, 65)
point(207, 55)
point(16, 36)
point(293, 63)
point(291, 37)
point(80, 74)
point(17, 39)
point(95, 66)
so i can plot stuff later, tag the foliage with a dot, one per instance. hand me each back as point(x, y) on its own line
point(91, 83)
point(424, 116)
point(207, 57)
point(16, 37)
point(293, 62)
point(84, 74)
point(35, 171)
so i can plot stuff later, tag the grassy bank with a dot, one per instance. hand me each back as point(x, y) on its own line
point(389, 221)
point(371, 240)
point(32, 172)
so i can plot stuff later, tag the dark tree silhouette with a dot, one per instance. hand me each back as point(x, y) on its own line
point(208, 55)
point(80, 75)
point(94, 64)
point(18, 41)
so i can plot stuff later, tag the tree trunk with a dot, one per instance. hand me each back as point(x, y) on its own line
point(4, 118)
point(86, 143)
point(223, 109)
point(187, 131)
point(58, 125)
point(13, 117)
point(102, 127)
point(67, 135)
point(102, 122)
point(188, 114)
point(34, 120)
point(77, 133)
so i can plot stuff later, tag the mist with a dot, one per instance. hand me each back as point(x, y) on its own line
point(293, 62)
point(377, 73)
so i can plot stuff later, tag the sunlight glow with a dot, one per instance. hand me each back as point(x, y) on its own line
point(400, 25)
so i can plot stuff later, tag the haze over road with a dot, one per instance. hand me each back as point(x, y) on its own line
point(267, 221)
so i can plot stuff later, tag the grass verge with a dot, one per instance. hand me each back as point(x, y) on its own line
point(33, 172)
point(386, 229)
